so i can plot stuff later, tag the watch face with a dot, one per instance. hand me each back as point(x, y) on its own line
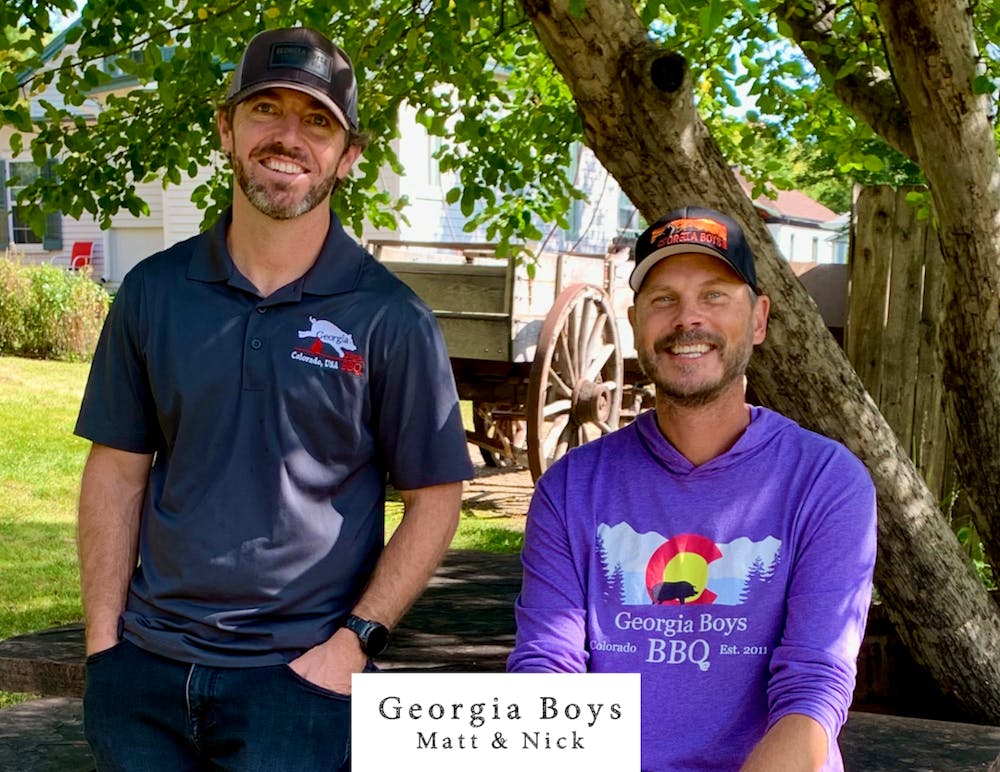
point(374, 636)
point(377, 640)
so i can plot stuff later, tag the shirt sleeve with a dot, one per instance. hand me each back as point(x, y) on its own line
point(551, 609)
point(814, 667)
point(118, 409)
point(416, 411)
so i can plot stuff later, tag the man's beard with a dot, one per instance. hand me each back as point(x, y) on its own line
point(260, 194)
point(734, 361)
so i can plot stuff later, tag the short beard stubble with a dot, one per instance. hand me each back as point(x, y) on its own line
point(734, 360)
point(260, 194)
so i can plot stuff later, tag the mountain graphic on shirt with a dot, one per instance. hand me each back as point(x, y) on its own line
point(643, 569)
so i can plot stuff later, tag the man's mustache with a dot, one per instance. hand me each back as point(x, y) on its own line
point(688, 338)
point(276, 148)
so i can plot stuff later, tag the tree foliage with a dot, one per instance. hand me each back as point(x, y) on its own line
point(473, 69)
point(477, 78)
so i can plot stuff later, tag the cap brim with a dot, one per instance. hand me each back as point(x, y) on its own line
point(639, 272)
point(315, 93)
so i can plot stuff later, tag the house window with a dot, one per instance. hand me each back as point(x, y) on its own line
point(21, 174)
point(815, 249)
point(14, 227)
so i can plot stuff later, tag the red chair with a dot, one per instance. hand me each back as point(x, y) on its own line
point(81, 254)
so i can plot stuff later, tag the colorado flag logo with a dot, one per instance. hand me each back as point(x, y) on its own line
point(643, 569)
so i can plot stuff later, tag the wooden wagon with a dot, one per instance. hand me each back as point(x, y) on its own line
point(545, 354)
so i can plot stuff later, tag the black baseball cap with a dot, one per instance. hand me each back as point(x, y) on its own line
point(693, 229)
point(302, 59)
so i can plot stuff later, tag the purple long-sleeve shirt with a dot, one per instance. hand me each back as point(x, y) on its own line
point(738, 588)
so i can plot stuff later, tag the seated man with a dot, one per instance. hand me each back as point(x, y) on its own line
point(715, 547)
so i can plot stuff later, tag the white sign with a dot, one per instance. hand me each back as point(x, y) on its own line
point(521, 722)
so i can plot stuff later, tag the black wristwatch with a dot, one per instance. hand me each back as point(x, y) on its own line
point(374, 636)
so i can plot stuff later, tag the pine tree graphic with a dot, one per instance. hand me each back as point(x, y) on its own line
point(757, 575)
point(614, 590)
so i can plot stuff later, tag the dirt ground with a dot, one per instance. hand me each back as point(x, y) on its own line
point(506, 491)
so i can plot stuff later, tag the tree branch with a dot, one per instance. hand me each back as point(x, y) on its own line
point(868, 91)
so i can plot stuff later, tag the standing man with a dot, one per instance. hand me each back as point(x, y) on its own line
point(716, 548)
point(253, 389)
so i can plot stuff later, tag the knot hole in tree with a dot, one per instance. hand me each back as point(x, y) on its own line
point(667, 72)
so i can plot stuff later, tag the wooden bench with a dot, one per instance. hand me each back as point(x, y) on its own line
point(48, 662)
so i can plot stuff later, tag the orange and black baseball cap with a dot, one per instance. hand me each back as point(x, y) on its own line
point(302, 59)
point(693, 229)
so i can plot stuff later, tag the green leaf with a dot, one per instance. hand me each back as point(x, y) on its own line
point(711, 17)
point(983, 84)
point(468, 205)
point(650, 11)
point(873, 163)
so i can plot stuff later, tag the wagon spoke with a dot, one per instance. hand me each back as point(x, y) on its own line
point(586, 326)
point(598, 331)
point(554, 435)
point(573, 338)
point(565, 359)
point(565, 441)
point(559, 385)
point(557, 407)
point(596, 365)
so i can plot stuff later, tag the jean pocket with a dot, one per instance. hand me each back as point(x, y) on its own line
point(103, 654)
point(315, 688)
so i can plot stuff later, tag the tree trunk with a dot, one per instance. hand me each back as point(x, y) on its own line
point(932, 48)
point(638, 113)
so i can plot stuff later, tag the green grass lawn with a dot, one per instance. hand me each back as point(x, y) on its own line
point(40, 465)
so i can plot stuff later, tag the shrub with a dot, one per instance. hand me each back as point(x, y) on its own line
point(15, 292)
point(49, 312)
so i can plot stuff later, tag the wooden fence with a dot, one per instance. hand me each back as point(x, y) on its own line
point(896, 297)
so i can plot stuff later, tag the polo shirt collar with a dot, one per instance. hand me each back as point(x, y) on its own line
point(337, 268)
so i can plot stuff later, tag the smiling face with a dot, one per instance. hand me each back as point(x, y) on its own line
point(287, 150)
point(696, 323)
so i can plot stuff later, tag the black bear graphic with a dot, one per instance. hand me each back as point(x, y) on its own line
point(665, 591)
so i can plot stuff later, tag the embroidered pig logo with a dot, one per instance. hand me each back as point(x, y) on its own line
point(329, 333)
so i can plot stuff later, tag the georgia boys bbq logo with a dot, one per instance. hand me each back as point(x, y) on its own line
point(331, 349)
point(704, 583)
point(653, 569)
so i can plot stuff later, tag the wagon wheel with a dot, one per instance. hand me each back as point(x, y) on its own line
point(496, 422)
point(575, 385)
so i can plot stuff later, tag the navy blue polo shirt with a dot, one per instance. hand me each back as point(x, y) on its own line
point(275, 423)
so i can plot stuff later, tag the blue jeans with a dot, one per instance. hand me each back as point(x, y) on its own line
point(142, 712)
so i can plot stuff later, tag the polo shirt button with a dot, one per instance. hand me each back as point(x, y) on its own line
point(261, 310)
point(255, 344)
